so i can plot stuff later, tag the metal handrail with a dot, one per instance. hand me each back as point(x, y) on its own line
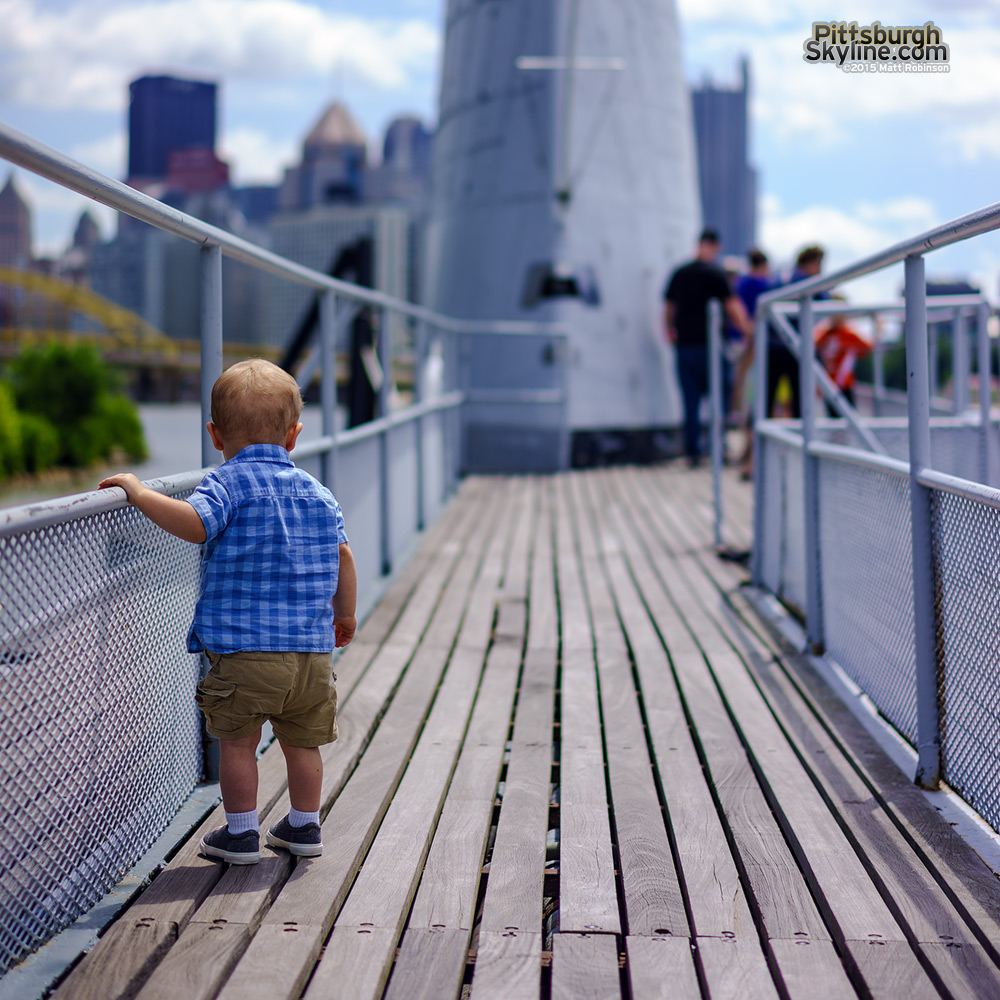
point(965, 227)
point(45, 513)
point(920, 311)
point(40, 159)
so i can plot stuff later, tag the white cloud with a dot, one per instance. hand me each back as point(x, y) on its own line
point(82, 57)
point(108, 155)
point(822, 103)
point(978, 140)
point(255, 157)
point(847, 235)
point(913, 213)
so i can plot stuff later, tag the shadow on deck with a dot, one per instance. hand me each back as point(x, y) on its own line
point(574, 764)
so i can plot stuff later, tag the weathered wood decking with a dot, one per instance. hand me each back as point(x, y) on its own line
point(572, 764)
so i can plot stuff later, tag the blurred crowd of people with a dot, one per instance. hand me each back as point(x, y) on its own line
point(737, 286)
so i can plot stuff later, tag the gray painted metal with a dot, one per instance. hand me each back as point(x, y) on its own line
point(716, 402)
point(530, 175)
point(810, 477)
point(980, 493)
point(211, 342)
point(823, 449)
point(40, 159)
point(924, 612)
point(820, 377)
point(760, 416)
point(328, 329)
point(960, 360)
point(983, 352)
point(974, 224)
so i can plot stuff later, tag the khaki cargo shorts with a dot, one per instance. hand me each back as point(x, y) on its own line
point(297, 692)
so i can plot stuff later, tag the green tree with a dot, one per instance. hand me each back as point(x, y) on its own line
point(11, 455)
point(72, 389)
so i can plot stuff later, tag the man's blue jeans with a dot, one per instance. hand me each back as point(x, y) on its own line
point(692, 373)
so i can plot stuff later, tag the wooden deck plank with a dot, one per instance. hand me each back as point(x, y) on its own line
point(615, 569)
point(446, 897)
point(855, 907)
point(783, 898)
point(513, 900)
point(508, 966)
point(820, 846)
point(198, 963)
point(855, 770)
point(414, 811)
point(966, 973)
point(444, 908)
point(662, 968)
point(585, 967)
point(588, 900)
point(588, 895)
point(362, 967)
point(653, 898)
point(543, 628)
point(735, 969)
point(716, 895)
point(805, 964)
point(891, 971)
point(512, 610)
point(430, 959)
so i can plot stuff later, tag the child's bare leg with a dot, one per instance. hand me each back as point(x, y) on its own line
point(238, 773)
point(305, 777)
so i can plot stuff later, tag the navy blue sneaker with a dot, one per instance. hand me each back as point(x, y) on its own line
point(301, 840)
point(237, 850)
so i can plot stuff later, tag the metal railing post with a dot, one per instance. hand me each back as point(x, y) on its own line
point(959, 362)
point(419, 391)
point(385, 361)
point(878, 365)
point(924, 616)
point(810, 478)
point(328, 384)
point(932, 335)
point(211, 369)
point(984, 352)
point(715, 400)
point(759, 414)
point(459, 378)
point(211, 341)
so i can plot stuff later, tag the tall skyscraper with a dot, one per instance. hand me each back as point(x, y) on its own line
point(15, 227)
point(728, 182)
point(403, 176)
point(166, 115)
point(332, 167)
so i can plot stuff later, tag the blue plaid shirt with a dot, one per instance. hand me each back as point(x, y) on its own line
point(271, 559)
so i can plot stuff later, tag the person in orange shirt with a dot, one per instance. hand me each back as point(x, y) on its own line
point(838, 347)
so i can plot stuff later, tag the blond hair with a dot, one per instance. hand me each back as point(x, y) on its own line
point(255, 401)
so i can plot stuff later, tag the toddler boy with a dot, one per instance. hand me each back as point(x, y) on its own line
point(278, 593)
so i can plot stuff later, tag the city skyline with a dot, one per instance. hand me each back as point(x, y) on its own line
point(853, 161)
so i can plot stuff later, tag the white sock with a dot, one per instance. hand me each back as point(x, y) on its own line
point(242, 822)
point(297, 818)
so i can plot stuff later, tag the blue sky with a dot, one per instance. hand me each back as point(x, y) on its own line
point(853, 161)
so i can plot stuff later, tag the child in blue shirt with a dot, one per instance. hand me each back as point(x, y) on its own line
point(278, 593)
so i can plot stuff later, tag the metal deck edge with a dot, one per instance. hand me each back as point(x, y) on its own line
point(36, 975)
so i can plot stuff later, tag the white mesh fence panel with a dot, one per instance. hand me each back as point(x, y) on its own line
point(866, 567)
point(782, 547)
point(967, 544)
point(101, 740)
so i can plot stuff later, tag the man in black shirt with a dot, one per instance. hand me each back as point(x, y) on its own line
point(691, 287)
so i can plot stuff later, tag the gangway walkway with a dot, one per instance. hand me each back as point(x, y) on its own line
point(573, 764)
